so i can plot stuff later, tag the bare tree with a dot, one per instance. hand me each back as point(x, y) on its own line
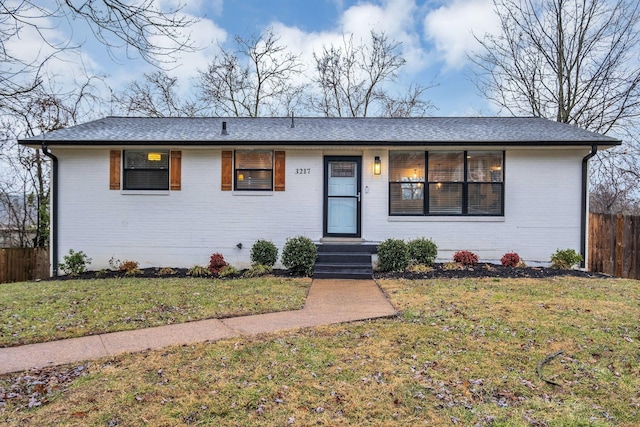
point(156, 95)
point(258, 75)
point(140, 27)
point(411, 104)
point(351, 80)
point(573, 61)
point(24, 181)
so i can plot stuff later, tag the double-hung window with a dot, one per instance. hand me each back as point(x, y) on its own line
point(146, 170)
point(446, 183)
point(254, 170)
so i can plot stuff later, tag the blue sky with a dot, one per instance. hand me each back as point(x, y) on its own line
point(435, 36)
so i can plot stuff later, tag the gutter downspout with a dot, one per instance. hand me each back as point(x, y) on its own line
point(585, 194)
point(54, 208)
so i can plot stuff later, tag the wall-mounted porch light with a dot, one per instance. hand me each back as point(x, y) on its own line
point(377, 166)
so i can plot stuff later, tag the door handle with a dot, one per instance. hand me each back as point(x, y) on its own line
point(358, 196)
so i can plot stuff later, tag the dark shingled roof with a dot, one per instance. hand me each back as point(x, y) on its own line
point(322, 131)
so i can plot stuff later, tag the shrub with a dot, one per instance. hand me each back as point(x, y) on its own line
point(216, 262)
point(258, 270)
point(422, 251)
point(227, 271)
point(130, 267)
point(166, 271)
point(565, 259)
point(299, 255)
point(510, 259)
point(420, 268)
point(393, 255)
point(465, 258)
point(75, 263)
point(264, 252)
point(198, 271)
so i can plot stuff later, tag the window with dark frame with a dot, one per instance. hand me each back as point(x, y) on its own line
point(253, 170)
point(146, 170)
point(446, 183)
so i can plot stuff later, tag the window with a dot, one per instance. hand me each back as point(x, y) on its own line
point(446, 183)
point(146, 170)
point(254, 170)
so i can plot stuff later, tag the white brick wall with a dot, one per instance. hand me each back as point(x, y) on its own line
point(183, 228)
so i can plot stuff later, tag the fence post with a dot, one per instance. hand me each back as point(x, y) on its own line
point(619, 244)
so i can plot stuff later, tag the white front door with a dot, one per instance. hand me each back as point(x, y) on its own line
point(342, 196)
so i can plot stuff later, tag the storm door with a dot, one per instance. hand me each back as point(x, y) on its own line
point(342, 196)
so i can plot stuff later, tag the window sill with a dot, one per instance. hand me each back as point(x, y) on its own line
point(457, 218)
point(144, 192)
point(252, 193)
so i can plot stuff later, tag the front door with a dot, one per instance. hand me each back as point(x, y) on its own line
point(342, 196)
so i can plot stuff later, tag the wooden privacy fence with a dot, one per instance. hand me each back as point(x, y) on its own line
point(22, 264)
point(614, 245)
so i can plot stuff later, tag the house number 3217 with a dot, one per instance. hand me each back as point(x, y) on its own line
point(303, 171)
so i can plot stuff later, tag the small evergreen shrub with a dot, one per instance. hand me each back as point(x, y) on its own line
point(198, 271)
point(510, 259)
point(299, 255)
point(465, 258)
point(393, 255)
point(258, 270)
point(75, 263)
point(422, 251)
point(264, 252)
point(228, 271)
point(565, 259)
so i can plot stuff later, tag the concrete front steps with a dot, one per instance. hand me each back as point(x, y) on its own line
point(344, 260)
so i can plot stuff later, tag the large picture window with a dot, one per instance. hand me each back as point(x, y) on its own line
point(254, 170)
point(446, 183)
point(146, 170)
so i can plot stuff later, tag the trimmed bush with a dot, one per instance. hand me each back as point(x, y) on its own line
point(565, 259)
point(75, 263)
point(216, 263)
point(393, 255)
point(129, 266)
point(422, 251)
point(510, 259)
point(465, 258)
point(299, 255)
point(264, 252)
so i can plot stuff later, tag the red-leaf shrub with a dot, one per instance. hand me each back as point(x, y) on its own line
point(510, 259)
point(216, 263)
point(465, 258)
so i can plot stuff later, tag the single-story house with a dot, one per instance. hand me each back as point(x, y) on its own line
point(172, 191)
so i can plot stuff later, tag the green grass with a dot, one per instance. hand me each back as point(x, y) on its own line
point(44, 311)
point(461, 352)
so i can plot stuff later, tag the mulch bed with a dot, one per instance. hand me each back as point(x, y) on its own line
point(439, 271)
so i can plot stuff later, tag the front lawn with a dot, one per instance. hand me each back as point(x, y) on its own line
point(50, 310)
point(466, 352)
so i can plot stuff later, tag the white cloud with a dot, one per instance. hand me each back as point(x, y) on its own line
point(451, 28)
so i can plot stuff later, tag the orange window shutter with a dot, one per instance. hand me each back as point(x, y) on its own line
point(227, 171)
point(175, 168)
point(279, 171)
point(114, 169)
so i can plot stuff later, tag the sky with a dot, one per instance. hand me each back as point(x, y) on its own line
point(436, 37)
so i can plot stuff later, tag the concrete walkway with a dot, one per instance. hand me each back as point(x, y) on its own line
point(329, 301)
